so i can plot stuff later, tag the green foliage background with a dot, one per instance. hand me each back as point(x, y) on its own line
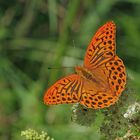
point(37, 34)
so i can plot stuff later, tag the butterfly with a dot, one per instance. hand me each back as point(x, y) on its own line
point(100, 81)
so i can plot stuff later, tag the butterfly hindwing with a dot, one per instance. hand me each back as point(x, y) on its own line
point(97, 100)
point(117, 75)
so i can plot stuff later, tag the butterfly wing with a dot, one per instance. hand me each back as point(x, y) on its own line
point(65, 90)
point(101, 55)
point(102, 46)
point(109, 76)
point(108, 89)
point(107, 68)
point(116, 75)
point(97, 100)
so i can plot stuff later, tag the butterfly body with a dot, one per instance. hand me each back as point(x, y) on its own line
point(100, 81)
point(86, 74)
point(92, 79)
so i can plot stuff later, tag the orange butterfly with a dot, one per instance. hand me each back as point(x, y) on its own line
point(100, 81)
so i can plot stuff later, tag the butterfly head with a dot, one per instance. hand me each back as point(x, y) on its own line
point(79, 70)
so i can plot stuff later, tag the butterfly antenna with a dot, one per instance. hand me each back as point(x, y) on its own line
point(60, 67)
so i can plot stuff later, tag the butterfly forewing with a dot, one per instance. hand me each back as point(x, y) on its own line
point(102, 46)
point(65, 90)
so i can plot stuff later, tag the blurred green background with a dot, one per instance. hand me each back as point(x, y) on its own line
point(37, 34)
